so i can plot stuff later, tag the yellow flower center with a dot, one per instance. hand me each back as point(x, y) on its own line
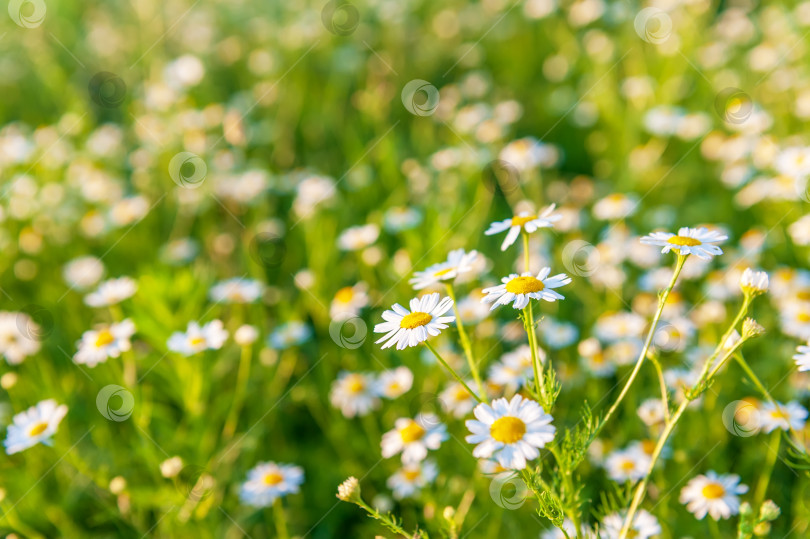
point(803, 295)
point(411, 475)
point(779, 414)
point(356, 383)
point(393, 387)
point(344, 295)
point(683, 240)
point(415, 319)
point(520, 221)
point(38, 429)
point(104, 338)
point(273, 478)
point(804, 317)
point(442, 273)
point(524, 285)
point(461, 394)
point(412, 432)
point(713, 491)
point(648, 446)
point(196, 341)
point(628, 465)
point(508, 429)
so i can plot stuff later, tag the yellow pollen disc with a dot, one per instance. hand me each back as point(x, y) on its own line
point(508, 429)
point(38, 429)
point(632, 534)
point(273, 478)
point(104, 338)
point(803, 295)
point(524, 285)
point(442, 273)
point(461, 394)
point(713, 491)
point(779, 414)
point(415, 319)
point(520, 221)
point(684, 240)
point(616, 197)
point(356, 384)
point(393, 387)
point(412, 432)
point(628, 465)
point(648, 446)
point(196, 341)
point(804, 317)
point(344, 295)
point(411, 475)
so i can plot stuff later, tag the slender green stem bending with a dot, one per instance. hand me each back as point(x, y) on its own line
point(647, 343)
point(281, 520)
point(239, 396)
point(452, 372)
point(767, 470)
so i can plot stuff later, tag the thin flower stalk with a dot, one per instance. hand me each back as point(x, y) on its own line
point(465, 344)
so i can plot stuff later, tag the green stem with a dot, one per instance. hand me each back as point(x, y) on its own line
point(767, 470)
point(465, 343)
point(130, 368)
point(647, 343)
point(526, 249)
point(455, 375)
point(387, 521)
point(239, 395)
point(281, 521)
point(714, 527)
point(663, 384)
point(539, 385)
point(641, 488)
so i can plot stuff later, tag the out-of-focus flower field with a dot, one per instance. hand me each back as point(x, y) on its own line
point(471, 269)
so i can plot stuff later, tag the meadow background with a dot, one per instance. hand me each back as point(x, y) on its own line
point(683, 109)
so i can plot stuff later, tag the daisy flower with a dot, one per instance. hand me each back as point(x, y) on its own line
point(644, 526)
point(457, 400)
point(782, 416)
point(111, 292)
point(615, 206)
point(197, 338)
point(413, 438)
point(15, 344)
point(515, 367)
point(35, 425)
point(802, 358)
point(458, 262)
point(349, 301)
point(523, 221)
point(354, 393)
point(236, 291)
point(652, 412)
point(411, 478)
point(268, 481)
point(688, 241)
point(519, 289)
point(627, 465)
point(510, 431)
point(753, 282)
point(96, 345)
point(405, 328)
point(395, 382)
point(358, 237)
point(713, 494)
point(289, 334)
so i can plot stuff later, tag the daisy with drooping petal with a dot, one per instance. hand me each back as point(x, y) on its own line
point(413, 437)
point(523, 221)
point(36, 425)
point(104, 342)
point(111, 292)
point(689, 241)
point(268, 481)
point(644, 525)
point(753, 282)
point(197, 338)
point(520, 289)
point(802, 357)
point(782, 416)
point(395, 382)
point(458, 262)
point(405, 328)
point(237, 291)
point(714, 494)
point(411, 478)
point(510, 431)
point(355, 393)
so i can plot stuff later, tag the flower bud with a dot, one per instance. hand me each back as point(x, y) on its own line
point(349, 490)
